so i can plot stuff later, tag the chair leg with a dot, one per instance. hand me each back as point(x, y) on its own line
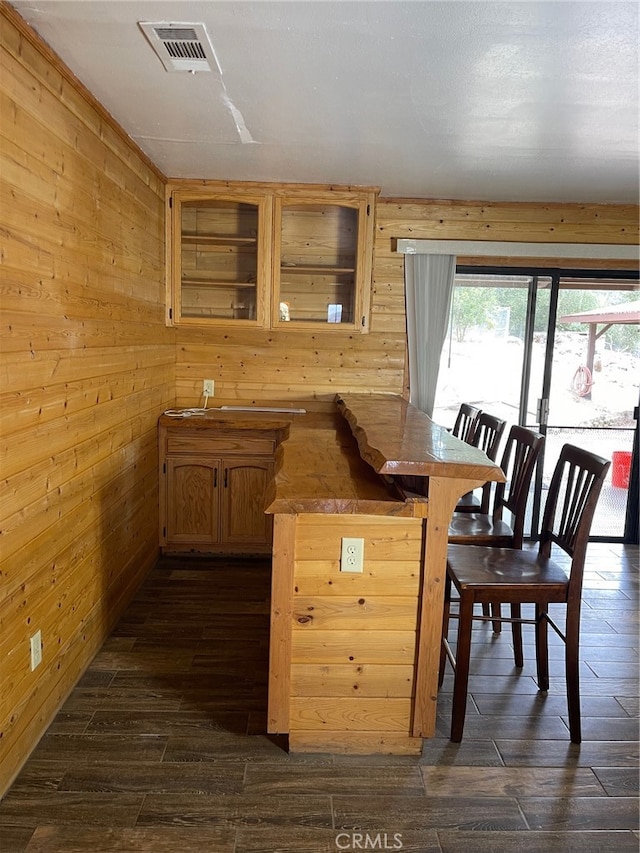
point(516, 634)
point(573, 677)
point(492, 610)
point(445, 630)
point(542, 647)
point(496, 612)
point(461, 680)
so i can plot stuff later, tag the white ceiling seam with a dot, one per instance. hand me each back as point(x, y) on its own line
point(497, 249)
point(241, 127)
point(185, 47)
point(243, 132)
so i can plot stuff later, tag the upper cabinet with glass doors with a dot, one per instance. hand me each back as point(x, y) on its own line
point(322, 259)
point(263, 255)
point(220, 258)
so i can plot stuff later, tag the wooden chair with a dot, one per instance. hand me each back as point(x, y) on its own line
point(518, 463)
point(486, 435)
point(465, 421)
point(518, 577)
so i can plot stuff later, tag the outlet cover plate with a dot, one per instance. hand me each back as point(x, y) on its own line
point(352, 555)
point(36, 650)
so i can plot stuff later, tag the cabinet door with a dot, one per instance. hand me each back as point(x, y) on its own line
point(221, 258)
point(322, 266)
point(244, 484)
point(192, 501)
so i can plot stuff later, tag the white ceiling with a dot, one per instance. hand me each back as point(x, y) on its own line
point(523, 101)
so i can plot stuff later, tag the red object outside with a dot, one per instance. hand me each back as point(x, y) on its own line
point(620, 468)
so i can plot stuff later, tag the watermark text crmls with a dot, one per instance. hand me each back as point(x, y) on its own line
point(369, 841)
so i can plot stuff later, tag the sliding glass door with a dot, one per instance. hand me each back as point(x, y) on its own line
point(591, 386)
point(524, 345)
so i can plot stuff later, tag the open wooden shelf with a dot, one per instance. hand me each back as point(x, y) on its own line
point(218, 240)
point(211, 282)
point(317, 269)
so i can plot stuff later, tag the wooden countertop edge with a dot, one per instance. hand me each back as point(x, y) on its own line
point(415, 461)
point(370, 454)
point(338, 506)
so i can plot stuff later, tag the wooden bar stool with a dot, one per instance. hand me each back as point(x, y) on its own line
point(518, 463)
point(516, 577)
point(486, 435)
point(490, 529)
point(465, 421)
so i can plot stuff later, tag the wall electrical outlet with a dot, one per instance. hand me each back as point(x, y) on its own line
point(36, 650)
point(208, 387)
point(352, 556)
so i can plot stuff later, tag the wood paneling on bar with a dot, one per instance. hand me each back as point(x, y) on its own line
point(87, 366)
point(353, 640)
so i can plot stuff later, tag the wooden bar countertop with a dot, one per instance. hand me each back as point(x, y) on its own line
point(230, 419)
point(395, 437)
point(332, 462)
point(319, 470)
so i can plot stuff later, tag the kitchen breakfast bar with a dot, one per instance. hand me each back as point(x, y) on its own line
point(354, 655)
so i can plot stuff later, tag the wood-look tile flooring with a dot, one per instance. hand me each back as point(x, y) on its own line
point(161, 747)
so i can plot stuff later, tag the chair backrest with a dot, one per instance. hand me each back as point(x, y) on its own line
point(571, 502)
point(518, 463)
point(486, 435)
point(465, 421)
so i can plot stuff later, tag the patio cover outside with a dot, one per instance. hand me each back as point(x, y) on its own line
point(625, 312)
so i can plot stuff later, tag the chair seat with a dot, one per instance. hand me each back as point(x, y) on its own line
point(488, 573)
point(473, 528)
point(468, 503)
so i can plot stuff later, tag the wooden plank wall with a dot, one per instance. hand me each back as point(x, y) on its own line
point(87, 366)
point(354, 636)
point(311, 367)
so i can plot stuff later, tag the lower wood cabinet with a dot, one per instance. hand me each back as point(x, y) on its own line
point(192, 502)
point(242, 517)
point(212, 491)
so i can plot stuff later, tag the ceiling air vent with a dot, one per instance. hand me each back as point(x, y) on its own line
point(181, 47)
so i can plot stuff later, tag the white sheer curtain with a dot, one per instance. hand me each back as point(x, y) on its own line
point(428, 289)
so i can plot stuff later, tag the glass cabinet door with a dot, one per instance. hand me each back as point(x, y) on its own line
point(219, 250)
point(319, 277)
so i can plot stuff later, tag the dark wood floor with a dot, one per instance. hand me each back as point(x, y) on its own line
point(162, 747)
